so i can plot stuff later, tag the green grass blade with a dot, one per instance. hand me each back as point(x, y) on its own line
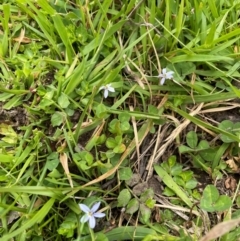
point(43, 212)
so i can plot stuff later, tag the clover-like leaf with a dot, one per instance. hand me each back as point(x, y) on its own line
point(211, 201)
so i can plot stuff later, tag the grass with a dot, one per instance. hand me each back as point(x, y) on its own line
point(162, 159)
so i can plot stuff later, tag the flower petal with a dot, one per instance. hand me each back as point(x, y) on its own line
point(84, 208)
point(92, 222)
point(84, 218)
point(164, 71)
point(169, 75)
point(102, 87)
point(111, 89)
point(105, 93)
point(95, 207)
point(99, 215)
point(162, 81)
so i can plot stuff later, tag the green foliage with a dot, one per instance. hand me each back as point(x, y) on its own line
point(144, 204)
point(211, 201)
point(61, 140)
point(204, 156)
point(182, 178)
point(229, 127)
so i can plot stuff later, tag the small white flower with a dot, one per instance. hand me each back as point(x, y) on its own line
point(165, 75)
point(106, 89)
point(91, 214)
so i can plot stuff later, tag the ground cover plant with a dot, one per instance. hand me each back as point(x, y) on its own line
point(119, 120)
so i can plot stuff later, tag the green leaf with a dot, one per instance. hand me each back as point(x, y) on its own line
point(132, 206)
point(191, 184)
point(176, 170)
point(223, 203)
point(124, 117)
point(179, 180)
point(145, 213)
point(89, 158)
point(169, 182)
point(57, 119)
point(123, 198)
point(150, 203)
point(186, 175)
point(101, 111)
point(203, 145)
point(147, 194)
point(226, 125)
point(185, 68)
point(211, 201)
point(192, 139)
point(128, 233)
point(152, 109)
point(120, 148)
point(52, 163)
point(125, 173)
point(172, 161)
point(211, 193)
point(37, 218)
point(111, 143)
point(63, 101)
point(125, 126)
point(184, 149)
point(208, 154)
point(100, 237)
point(168, 192)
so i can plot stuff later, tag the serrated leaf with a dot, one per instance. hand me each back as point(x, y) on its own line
point(132, 206)
point(123, 198)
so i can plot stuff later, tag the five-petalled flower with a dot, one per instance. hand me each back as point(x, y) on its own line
point(165, 75)
point(91, 214)
point(107, 88)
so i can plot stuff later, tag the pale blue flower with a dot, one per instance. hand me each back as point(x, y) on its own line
point(107, 88)
point(165, 75)
point(91, 214)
